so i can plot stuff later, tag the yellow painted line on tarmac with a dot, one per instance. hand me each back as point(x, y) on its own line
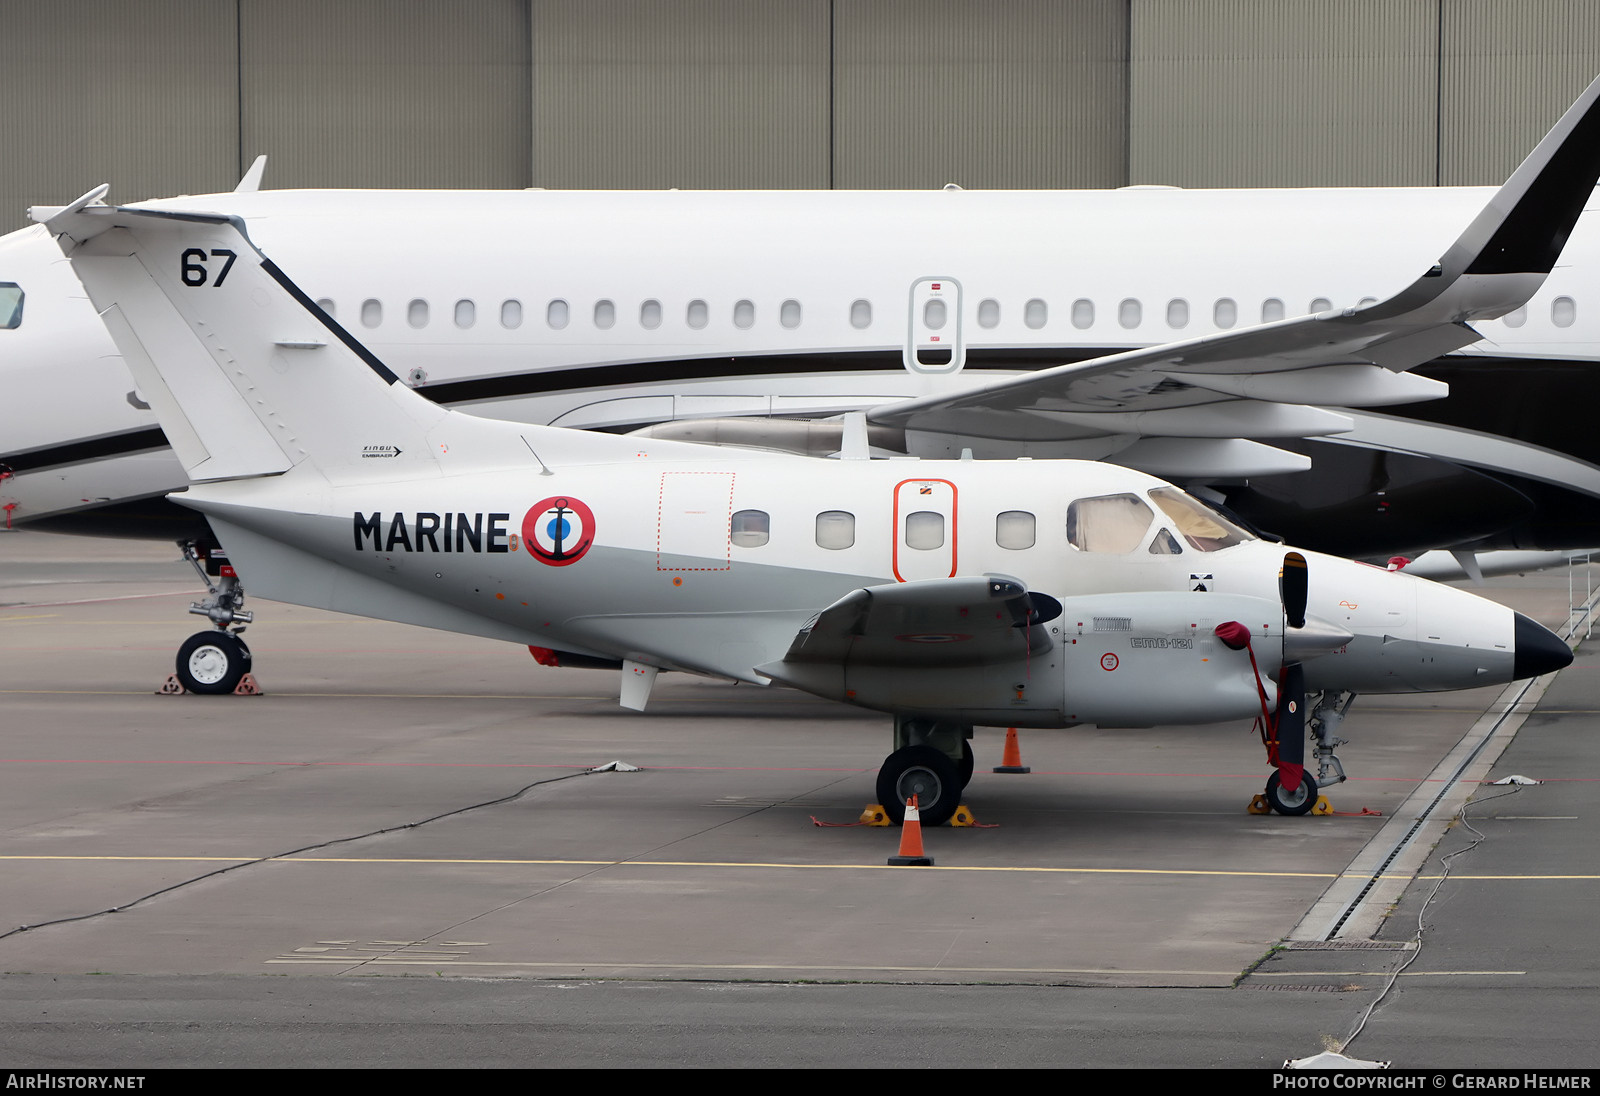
point(1224, 976)
point(38, 616)
point(677, 864)
point(1510, 878)
point(1016, 868)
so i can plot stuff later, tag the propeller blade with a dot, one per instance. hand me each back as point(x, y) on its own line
point(1291, 725)
point(1293, 586)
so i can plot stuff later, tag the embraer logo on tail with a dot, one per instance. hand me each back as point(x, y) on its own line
point(429, 532)
point(380, 451)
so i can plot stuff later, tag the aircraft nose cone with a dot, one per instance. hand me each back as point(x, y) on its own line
point(1538, 650)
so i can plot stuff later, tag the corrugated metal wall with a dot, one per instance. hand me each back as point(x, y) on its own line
point(1009, 93)
point(169, 96)
point(386, 93)
point(1509, 71)
point(96, 92)
point(680, 93)
point(1283, 92)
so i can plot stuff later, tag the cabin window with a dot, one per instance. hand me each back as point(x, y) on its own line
point(605, 314)
point(1165, 544)
point(11, 306)
point(1321, 304)
point(836, 529)
point(698, 314)
point(417, 313)
point(744, 315)
point(1109, 523)
point(1225, 313)
point(1130, 313)
point(750, 528)
point(925, 530)
point(1516, 318)
point(650, 315)
point(1082, 314)
point(989, 313)
point(1015, 530)
point(1271, 310)
point(511, 314)
point(1364, 301)
point(1177, 313)
point(1035, 313)
point(789, 314)
point(324, 303)
point(371, 313)
point(1563, 310)
point(557, 314)
point(934, 314)
point(861, 314)
point(1204, 528)
point(466, 313)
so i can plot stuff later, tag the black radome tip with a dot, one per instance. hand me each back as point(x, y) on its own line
point(1538, 650)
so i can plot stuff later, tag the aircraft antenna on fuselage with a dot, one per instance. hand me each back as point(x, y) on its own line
point(251, 181)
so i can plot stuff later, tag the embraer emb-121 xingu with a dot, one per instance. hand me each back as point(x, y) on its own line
point(946, 593)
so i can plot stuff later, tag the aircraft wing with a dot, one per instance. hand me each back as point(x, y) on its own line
point(1185, 406)
point(942, 621)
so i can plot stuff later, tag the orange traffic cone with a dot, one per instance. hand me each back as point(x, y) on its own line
point(1012, 761)
point(911, 839)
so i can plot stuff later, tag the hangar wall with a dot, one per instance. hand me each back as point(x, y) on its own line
point(169, 96)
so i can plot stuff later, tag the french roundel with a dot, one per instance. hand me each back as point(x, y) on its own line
point(558, 530)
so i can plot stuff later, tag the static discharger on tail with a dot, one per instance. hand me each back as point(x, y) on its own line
point(947, 594)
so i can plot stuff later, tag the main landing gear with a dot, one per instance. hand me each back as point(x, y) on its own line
point(933, 761)
point(1327, 712)
point(217, 660)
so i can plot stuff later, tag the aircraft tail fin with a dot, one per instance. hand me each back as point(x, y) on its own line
point(247, 375)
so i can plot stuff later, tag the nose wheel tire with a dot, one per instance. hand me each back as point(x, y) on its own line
point(212, 662)
point(1299, 801)
point(968, 762)
point(925, 772)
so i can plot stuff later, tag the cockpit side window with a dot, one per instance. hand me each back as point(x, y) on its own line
point(1164, 544)
point(1109, 523)
point(10, 306)
point(1204, 528)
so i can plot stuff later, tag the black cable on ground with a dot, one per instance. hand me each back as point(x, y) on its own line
point(295, 852)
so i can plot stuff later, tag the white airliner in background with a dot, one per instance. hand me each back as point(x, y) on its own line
point(626, 310)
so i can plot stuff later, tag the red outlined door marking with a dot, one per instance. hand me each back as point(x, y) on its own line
point(921, 507)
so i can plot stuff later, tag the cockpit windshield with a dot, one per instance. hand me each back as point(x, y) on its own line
point(10, 305)
point(1204, 528)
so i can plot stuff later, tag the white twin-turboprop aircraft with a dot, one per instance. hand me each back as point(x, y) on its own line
point(947, 593)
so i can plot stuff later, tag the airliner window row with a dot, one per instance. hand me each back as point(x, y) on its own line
point(558, 314)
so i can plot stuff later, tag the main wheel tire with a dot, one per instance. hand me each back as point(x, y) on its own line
point(212, 662)
point(925, 772)
point(968, 762)
point(1300, 801)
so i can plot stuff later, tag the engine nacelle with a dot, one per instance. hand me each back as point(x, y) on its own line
point(1118, 660)
point(1139, 659)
